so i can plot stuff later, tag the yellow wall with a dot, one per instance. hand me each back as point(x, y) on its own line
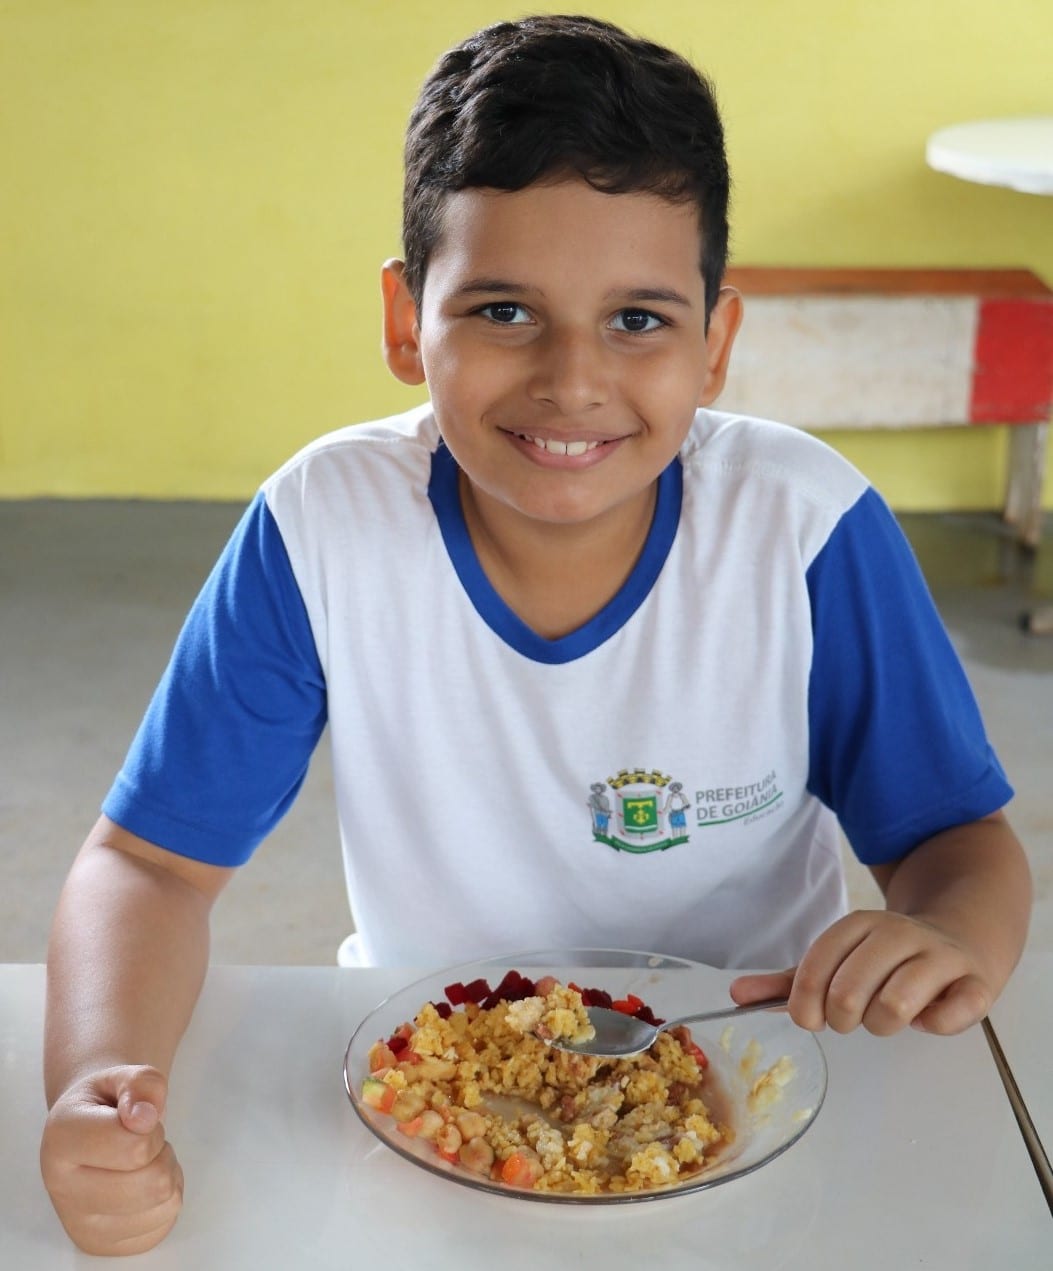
point(198, 196)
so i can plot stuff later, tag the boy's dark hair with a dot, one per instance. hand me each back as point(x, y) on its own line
point(541, 97)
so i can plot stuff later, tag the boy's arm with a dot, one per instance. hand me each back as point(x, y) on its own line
point(126, 961)
point(939, 954)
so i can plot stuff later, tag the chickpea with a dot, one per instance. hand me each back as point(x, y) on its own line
point(449, 1139)
point(472, 1125)
point(477, 1155)
point(407, 1105)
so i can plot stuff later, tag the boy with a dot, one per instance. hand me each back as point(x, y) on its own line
point(600, 665)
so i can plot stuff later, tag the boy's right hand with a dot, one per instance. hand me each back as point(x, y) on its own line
point(113, 1179)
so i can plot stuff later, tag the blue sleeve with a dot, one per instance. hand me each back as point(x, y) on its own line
point(897, 747)
point(225, 743)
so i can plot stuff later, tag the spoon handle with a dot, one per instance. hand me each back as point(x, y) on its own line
point(727, 1012)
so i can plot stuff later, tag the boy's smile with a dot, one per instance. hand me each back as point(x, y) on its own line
point(562, 336)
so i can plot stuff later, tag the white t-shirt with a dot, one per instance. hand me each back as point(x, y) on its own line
point(667, 777)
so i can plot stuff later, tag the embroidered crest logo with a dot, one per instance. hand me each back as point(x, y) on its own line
point(647, 808)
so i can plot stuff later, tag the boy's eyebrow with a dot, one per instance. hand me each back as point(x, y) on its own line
point(475, 286)
point(639, 295)
point(656, 295)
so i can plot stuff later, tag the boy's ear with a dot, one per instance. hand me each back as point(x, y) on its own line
point(401, 330)
point(724, 323)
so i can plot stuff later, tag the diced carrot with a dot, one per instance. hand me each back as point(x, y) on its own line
point(521, 1169)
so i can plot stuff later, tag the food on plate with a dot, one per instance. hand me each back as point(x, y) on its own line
point(473, 1076)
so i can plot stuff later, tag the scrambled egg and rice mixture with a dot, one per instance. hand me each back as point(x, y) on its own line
point(567, 1122)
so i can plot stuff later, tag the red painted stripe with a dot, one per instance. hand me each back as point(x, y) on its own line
point(1013, 363)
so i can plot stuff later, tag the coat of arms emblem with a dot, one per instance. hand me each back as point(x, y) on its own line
point(639, 811)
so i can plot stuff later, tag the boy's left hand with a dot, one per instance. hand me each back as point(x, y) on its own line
point(882, 970)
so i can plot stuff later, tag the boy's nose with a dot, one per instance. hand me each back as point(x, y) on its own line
point(571, 372)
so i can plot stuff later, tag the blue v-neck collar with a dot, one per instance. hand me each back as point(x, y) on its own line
point(445, 499)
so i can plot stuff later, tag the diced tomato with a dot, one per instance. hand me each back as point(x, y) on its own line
point(624, 1005)
point(698, 1054)
point(576, 987)
point(377, 1094)
point(689, 1046)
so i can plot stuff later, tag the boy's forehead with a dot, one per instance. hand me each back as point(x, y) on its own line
point(567, 224)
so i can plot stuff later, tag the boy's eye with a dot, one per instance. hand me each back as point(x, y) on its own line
point(506, 312)
point(637, 321)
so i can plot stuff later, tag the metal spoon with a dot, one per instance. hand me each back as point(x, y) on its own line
point(618, 1036)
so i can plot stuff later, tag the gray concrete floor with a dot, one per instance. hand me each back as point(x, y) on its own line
point(92, 595)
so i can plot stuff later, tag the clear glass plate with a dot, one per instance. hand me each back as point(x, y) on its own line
point(671, 987)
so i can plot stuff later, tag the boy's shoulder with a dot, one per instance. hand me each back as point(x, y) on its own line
point(762, 452)
point(408, 440)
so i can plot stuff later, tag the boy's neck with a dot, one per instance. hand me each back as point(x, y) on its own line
point(555, 577)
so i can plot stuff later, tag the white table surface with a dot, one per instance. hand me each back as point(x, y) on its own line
point(1015, 153)
point(1023, 1023)
point(914, 1160)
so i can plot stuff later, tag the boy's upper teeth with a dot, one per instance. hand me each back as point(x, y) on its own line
point(561, 447)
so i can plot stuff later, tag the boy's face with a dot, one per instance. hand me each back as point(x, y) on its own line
point(562, 337)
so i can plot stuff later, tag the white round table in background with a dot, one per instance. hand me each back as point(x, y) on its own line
point(1016, 154)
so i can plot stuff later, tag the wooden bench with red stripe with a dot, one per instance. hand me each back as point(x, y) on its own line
point(903, 348)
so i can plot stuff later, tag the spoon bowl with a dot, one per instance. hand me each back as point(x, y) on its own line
point(619, 1036)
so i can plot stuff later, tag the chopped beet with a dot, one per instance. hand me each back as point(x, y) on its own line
point(443, 1009)
point(648, 1016)
point(596, 997)
point(397, 1044)
point(513, 988)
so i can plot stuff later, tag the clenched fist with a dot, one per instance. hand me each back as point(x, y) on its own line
point(112, 1177)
